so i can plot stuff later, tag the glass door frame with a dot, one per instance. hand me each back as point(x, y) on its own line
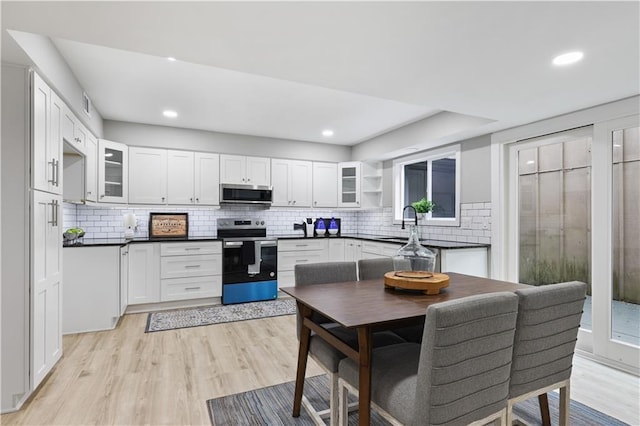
point(600, 342)
point(596, 343)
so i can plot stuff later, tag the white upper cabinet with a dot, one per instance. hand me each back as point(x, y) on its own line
point(193, 178)
point(325, 184)
point(147, 175)
point(207, 178)
point(180, 183)
point(238, 169)
point(46, 173)
point(91, 172)
point(73, 132)
point(113, 172)
point(291, 180)
point(349, 184)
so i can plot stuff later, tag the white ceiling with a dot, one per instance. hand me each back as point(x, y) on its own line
point(291, 69)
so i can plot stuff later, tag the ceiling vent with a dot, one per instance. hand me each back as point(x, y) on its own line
point(86, 104)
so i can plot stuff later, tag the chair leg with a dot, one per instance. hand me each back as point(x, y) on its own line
point(343, 404)
point(333, 400)
point(509, 414)
point(564, 405)
point(543, 401)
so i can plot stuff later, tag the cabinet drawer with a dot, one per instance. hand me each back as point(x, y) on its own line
point(182, 249)
point(390, 250)
point(302, 244)
point(190, 288)
point(190, 266)
point(371, 247)
point(286, 279)
point(287, 260)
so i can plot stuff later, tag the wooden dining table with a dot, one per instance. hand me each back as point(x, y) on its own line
point(367, 306)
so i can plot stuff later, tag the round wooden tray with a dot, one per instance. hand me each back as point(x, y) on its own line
point(425, 281)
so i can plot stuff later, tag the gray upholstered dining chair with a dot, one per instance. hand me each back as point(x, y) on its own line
point(545, 340)
point(369, 269)
point(322, 352)
point(459, 374)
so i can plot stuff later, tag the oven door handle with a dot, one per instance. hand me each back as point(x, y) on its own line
point(267, 243)
point(233, 243)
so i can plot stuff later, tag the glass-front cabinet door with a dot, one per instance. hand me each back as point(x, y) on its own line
point(349, 184)
point(112, 172)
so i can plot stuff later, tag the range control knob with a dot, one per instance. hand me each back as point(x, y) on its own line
point(262, 222)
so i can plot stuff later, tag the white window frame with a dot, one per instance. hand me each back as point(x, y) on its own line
point(451, 151)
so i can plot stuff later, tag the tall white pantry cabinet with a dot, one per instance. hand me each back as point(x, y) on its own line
point(31, 234)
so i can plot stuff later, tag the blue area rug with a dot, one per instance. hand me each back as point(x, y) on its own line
point(272, 406)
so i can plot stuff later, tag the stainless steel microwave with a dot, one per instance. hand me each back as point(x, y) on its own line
point(245, 194)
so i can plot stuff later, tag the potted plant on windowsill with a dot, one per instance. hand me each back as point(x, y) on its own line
point(423, 207)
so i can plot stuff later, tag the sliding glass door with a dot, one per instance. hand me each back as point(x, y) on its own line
point(575, 215)
point(616, 303)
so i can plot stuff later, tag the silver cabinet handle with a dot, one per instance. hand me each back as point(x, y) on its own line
point(191, 199)
point(192, 248)
point(197, 200)
point(53, 171)
point(54, 212)
point(192, 266)
point(192, 288)
point(301, 260)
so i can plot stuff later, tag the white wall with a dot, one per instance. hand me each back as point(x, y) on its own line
point(431, 132)
point(475, 176)
point(53, 68)
point(137, 134)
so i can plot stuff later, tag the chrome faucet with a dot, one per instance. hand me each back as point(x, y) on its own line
point(415, 213)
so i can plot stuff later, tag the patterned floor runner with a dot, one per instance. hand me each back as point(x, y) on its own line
point(207, 315)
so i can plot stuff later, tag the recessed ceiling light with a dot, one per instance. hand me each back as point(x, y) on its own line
point(170, 114)
point(327, 133)
point(567, 58)
point(171, 58)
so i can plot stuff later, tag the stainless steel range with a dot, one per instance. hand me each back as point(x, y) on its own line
point(249, 261)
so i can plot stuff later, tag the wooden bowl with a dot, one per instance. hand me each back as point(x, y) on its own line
point(427, 282)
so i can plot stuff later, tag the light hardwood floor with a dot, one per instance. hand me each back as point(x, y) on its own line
point(127, 377)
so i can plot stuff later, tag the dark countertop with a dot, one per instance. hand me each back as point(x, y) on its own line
point(394, 240)
point(93, 242)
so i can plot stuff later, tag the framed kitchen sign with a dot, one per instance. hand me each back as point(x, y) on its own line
point(168, 225)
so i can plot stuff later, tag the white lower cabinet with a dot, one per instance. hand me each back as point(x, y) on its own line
point(91, 289)
point(374, 249)
point(336, 250)
point(144, 273)
point(190, 270)
point(171, 271)
point(352, 250)
point(298, 252)
point(470, 261)
point(46, 284)
point(124, 278)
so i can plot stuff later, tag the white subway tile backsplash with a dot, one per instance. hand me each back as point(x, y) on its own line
point(107, 222)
